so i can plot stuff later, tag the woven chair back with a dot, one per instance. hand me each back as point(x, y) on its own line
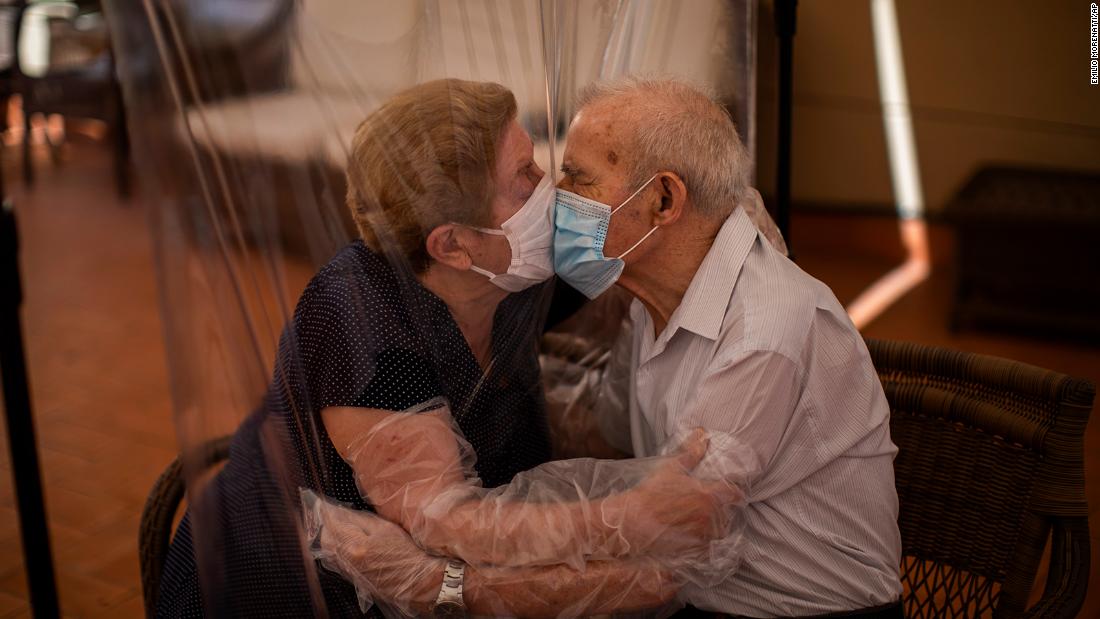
point(989, 470)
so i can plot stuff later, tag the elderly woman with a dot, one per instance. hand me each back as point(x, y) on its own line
point(408, 385)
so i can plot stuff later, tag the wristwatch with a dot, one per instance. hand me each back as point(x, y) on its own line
point(449, 604)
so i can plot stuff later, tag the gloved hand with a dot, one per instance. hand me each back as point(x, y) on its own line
point(377, 556)
point(679, 519)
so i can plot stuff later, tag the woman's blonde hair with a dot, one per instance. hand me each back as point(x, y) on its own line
point(424, 159)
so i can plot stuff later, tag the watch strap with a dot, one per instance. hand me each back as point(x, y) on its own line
point(450, 592)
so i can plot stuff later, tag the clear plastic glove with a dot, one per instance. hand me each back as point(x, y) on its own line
point(388, 570)
point(418, 471)
point(377, 556)
point(672, 514)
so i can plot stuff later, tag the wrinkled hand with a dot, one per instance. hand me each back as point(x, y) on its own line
point(375, 555)
point(673, 513)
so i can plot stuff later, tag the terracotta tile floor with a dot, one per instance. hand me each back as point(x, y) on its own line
point(100, 385)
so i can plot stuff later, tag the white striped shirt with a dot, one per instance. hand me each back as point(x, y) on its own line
point(761, 350)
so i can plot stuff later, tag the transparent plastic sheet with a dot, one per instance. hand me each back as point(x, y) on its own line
point(242, 116)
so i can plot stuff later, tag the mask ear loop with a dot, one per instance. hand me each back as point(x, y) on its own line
point(647, 234)
point(634, 246)
point(494, 232)
point(644, 185)
point(481, 271)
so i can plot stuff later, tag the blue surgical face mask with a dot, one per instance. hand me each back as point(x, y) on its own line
point(580, 230)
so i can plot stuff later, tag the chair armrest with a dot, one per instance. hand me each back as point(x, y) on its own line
point(1068, 575)
point(155, 532)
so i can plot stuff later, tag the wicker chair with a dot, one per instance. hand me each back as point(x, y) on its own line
point(989, 469)
point(160, 512)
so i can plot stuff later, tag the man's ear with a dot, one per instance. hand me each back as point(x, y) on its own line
point(446, 247)
point(673, 196)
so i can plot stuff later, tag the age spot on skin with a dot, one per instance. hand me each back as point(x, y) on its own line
point(612, 158)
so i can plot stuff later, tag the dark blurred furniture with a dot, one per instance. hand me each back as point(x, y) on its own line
point(79, 82)
point(989, 470)
point(1028, 251)
point(240, 115)
point(9, 16)
point(159, 514)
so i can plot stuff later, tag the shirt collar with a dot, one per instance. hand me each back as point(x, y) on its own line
point(703, 308)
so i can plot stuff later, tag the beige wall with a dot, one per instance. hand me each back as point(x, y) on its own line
point(989, 81)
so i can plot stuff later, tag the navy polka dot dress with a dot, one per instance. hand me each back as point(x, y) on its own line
point(362, 335)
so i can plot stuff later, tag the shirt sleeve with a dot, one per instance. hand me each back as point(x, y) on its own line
point(747, 404)
point(402, 379)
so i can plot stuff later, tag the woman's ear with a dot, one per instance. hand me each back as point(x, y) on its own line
point(446, 247)
point(673, 196)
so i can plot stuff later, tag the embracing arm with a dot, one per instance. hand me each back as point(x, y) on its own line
point(389, 570)
point(414, 469)
point(603, 587)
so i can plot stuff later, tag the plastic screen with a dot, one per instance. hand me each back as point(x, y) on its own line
point(350, 214)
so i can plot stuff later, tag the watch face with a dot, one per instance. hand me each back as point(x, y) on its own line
point(448, 610)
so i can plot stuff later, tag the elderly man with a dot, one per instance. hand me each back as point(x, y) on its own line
point(731, 336)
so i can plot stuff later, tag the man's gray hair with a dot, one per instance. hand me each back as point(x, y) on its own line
point(681, 128)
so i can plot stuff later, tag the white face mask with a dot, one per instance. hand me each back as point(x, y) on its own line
point(530, 232)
